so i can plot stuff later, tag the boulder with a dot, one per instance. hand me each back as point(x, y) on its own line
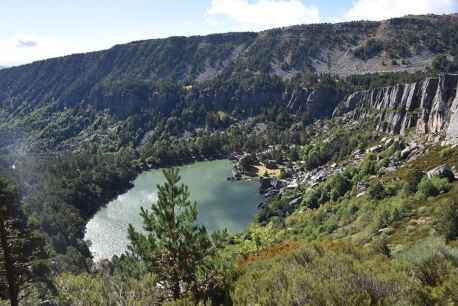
point(375, 149)
point(361, 187)
point(386, 230)
point(406, 152)
point(441, 171)
point(265, 183)
point(388, 142)
point(295, 202)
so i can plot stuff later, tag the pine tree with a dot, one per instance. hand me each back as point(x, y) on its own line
point(22, 255)
point(174, 247)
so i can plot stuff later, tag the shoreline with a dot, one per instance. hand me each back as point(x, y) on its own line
point(112, 220)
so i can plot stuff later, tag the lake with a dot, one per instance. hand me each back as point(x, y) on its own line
point(221, 203)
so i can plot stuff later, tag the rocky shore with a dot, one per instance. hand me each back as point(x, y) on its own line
point(294, 177)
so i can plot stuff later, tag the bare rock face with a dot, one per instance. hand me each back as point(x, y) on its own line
point(430, 107)
point(452, 131)
point(441, 171)
point(317, 103)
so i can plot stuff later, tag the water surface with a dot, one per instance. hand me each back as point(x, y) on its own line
point(222, 204)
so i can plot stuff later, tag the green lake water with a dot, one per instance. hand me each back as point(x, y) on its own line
point(221, 203)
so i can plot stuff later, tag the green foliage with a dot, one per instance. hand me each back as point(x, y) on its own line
point(369, 165)
point(65, 190)
point(434, 186)
point(23, 259)
point(258, 238)
point(340, 144)
point(370, 48)
point(175, 249)
point(314, 276)
point(330, 190)
point(446, 220)
point(377, 191)
point(441, 63)
point(413, 178)
point(99, 289)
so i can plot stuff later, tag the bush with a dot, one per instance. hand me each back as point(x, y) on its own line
point(372, 47)
point(413, 178)
point(427, 188)
point(381, 246)
point(446, 222)
point(441, 184)
point(385, 217)
point(315, 276)
point(434, 186)
point(339, 185)
point(369, 165)
point(441, 63)
point(377, 191)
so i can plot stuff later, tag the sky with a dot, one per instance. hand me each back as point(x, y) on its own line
point(32, 30)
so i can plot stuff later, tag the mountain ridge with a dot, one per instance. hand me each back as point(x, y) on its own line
point(237, 73)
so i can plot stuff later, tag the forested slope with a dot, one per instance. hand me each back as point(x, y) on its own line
point(162, 74)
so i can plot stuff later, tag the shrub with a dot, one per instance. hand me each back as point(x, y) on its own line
point(97, 289)
point(441, 184)
point(441, 63)
point(434, 186)
point(383, 218)
point(426, 187)
point(446, 152)
point(377, 191)
point(339, 185)
point(317, 276)
point(446, 222)
point(372, 47)
point(381, 246)
point(413, 178)
point(369, 165)
point(450, 291)
point(311, 199)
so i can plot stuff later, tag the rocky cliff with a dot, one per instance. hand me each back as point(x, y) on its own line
point(429, 108)
point(134, 88)
point(341, 49)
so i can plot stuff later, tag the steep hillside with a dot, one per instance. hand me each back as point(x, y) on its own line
point(125, 93)
point(342, 49)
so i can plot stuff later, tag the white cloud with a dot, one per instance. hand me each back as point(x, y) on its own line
point(26, 43)
point(24, 48)
point(384, 9)
point(262, 14)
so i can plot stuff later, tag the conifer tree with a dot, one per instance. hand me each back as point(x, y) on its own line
point(174, 247)
point(22, 256)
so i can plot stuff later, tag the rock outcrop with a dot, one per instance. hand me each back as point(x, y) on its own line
point(429, 107)
point(317, 103)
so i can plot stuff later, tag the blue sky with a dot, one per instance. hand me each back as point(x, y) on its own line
point(33, 30)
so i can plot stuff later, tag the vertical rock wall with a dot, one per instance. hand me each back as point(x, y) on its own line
point(429, 106)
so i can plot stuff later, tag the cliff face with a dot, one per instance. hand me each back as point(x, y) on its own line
point(343, 49)
point(430, 107)
point(137, 85)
